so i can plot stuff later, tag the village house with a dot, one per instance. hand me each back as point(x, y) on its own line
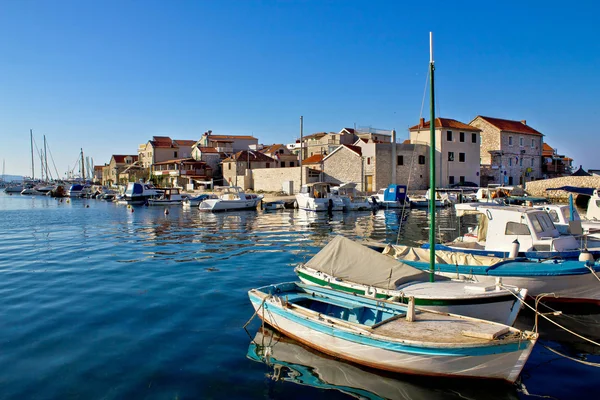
point(163, 148)
point(510, 151)
point(237, 169)
point(133, 173)
point(110, 172)
point(371, 134)
point(323, 142)
point(457, 150)
point(282, 155)
point(98, 173)
point(314, 167)
point(226, 143)
point(555, 165)
point(187, 173)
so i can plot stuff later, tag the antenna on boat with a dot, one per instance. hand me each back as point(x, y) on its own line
point(432, 155)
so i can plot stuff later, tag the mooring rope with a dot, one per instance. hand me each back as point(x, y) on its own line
point(544, 316)
point(256, 312)
point(589, 363)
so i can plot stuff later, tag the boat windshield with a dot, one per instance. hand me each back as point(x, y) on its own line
point(567, 214)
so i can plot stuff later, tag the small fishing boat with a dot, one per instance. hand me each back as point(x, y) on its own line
point(568, 222)
point(500, 226)
point(351, 267)
point(353, 200)
point(424, 202)
point(394, 196)
point(195, 201)
point(169, 197)
point(593, 204)
point(274, 205)
point(232, 198)
point(392, 336)
point(318, 197)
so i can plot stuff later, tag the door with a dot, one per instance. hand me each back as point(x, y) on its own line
point(369, 187)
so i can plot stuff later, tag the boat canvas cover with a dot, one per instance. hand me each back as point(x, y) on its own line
point(408, 253)
point(351, 261)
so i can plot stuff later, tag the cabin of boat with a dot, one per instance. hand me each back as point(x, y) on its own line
point(231, 198)
point(394, 196)
point(499, 227)
point(318, 197)
point(352, 198)
point(140, 192)
point(169, 196)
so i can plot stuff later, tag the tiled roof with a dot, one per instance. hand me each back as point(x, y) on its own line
point(180, 161)
point(208, 150)
point(98, 167)
point(220, 137)
point(315, 135)
point(184, 143)
point(350, 130)
point(510, 126)
point(444, 123)
point(253, 155)
point(547, 150)
point(120, 159)
point(355, 149)
point(161, 141)
point(314, 159)
point(272, 148)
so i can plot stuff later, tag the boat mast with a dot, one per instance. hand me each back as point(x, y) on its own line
point(432, 154)
point(82, 167)
point(32, 167)
point(46, 159)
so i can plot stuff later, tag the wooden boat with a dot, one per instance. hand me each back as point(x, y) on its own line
point(348, 266)
point(378, 334)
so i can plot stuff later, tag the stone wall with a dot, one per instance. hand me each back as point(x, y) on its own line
point(418, 174)
point(343, 166)
point(271, 179)
point(538, 188)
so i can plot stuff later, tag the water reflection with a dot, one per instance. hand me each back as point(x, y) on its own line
point(289, 361)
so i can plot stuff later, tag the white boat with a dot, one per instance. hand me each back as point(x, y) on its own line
point(77, 190)
point(169, 197)
point(394, 196)
point(353, 200)
point(588, 230)
point(232, 198)
point(140, 193)
point(318, 197)
point(191, 202)
point(14, 188)
point(274, 205)
point(348, 266)
point(391, 336)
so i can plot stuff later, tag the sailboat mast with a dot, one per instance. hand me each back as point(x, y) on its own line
point(432, 154)
point(82, 166)
point(46, 158)
point(32, 166)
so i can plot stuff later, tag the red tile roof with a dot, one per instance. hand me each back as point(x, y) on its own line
point(314, 159)
point(220, 137)
point(253, 155)
point(184, 143)
point(547, 150)
point(161, 141)
point(444, 123)
point(510, 125)
point(356, 149)
point(98, 167)
point(272, 148)
point(208, 150)
point(120, 159)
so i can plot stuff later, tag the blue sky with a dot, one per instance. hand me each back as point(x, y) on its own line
point(106, 76)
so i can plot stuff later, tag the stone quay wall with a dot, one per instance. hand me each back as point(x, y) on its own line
point(538, 188)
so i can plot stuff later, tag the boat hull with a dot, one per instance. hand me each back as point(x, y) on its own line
point(228, 205)
point(503, 365)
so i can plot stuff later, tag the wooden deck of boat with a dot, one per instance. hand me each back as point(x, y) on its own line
point(439, 328)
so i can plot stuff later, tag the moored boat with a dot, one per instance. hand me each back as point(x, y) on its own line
point(232, 198)
point(169, 197)
point(378, 334)
point(318, 197)
point(140, 193)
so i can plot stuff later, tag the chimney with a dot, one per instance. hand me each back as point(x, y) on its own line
point(524, 121)
point(421, 122)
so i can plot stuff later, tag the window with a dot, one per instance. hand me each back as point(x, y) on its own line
point(291, 163)
point(473, 137)
point(521, 142)
point(521, 161)
point(280, 151)
point(400, 160)
point(536, 224)
point(532, 143)
point(451, 180)
point(461, 157)
point(510, 180)
point(553, 215)
point(450, 156)
point(510, 143)
point(174, 154)
point(510, 162)
point(514, 228)
point(421, 160)
point(461, 136)
point(229, 165)
point(268, 165)
point(462, 179)
point(449, 136)
point(282, 164)
point(368, 160)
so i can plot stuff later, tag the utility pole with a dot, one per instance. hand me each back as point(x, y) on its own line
point(301, 150)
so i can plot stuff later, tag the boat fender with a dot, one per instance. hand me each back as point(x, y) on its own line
point(586, 256)
point(166, 211)
point(514, 249)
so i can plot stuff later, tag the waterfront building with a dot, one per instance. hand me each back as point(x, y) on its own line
point(457, 149)
point(226, 143)
point(284, 157)
point(237, 169)
point(555, 165)
point(184, 173)
point(118, 162)
point(511, 151)
point(163, 148)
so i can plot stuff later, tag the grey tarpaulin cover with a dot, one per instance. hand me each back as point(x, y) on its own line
point(351, 261)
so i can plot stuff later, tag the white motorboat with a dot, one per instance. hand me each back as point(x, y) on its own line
point(561, 216)
point(232, 198)
point(191, 202)
point(77, 190)
point(169, 197)
point(14, 189)
point(352, 198)
point(140, 193)
point(318, 197)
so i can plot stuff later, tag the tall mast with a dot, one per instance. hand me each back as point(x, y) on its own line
point(32, 167)
point(432, 154)
point(46, 158)
point(82, 167)
point(301, 150)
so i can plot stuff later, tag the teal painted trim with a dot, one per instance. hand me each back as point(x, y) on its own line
point(392, 346)
point(335, 286)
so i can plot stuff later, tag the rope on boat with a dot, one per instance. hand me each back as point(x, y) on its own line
point(262, 303)
point(537, 299)
point(592, 271)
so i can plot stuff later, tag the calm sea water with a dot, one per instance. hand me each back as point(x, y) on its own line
point(98, 302)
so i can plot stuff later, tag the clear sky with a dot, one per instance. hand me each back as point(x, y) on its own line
point(106, 75)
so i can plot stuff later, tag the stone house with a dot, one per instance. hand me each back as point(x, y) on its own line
point(325, 143)
point(98, 173)
point(555, 165)
point(511, 151)
point(344, 165)
point(133, 173)
point(181, 173)
point(110, 173)
point(457, 149)
point(314, 167)
point(282, 154)
point(163, 148)
point(227, 143)
point(237, 168)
